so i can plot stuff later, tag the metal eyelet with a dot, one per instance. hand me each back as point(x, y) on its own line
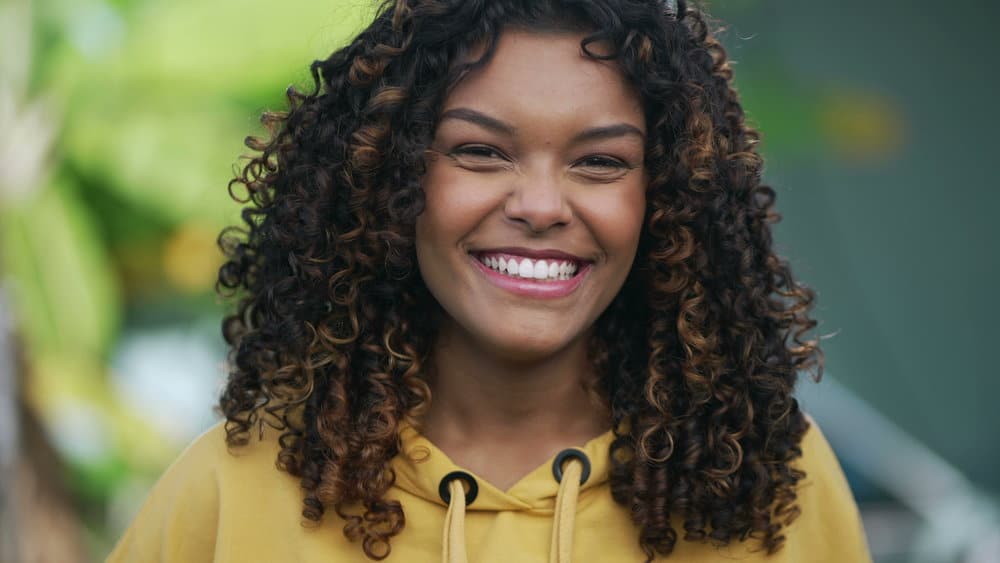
point(470, 495)
point(557, 470)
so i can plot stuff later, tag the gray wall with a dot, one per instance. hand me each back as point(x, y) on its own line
point(880, 124)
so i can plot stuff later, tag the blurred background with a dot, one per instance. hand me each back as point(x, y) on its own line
point(121, 122)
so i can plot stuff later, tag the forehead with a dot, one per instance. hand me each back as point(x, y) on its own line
point(547, 73)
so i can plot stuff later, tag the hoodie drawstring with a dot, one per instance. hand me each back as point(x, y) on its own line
point(575, 474)
point(453, 493)
point(454, 526)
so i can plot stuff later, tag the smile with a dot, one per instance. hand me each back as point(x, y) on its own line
point(542, 275)
point(523, 267)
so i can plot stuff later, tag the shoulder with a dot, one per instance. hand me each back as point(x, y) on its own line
point(180, 518)
point(829, 522)
point(209, 459)
point(203, 453)
point(818, 456)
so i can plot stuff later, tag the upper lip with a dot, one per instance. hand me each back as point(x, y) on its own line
point(532, 253)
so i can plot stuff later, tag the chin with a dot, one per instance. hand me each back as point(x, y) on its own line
point(528, 346)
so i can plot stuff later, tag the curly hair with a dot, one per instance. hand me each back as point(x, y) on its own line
point(697, 355)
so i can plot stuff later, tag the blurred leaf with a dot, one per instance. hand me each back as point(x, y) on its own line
point(63, 286)
point(156, 94)
point(191, 258)
point(193, 51)
point(160, 120)
point(229, 46)
point(78, 405)
point(173, 163)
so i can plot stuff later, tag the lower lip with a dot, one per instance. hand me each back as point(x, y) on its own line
point(533, 288)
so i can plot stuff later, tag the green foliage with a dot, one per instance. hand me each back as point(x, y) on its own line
point(63, 282)
point(150, 101)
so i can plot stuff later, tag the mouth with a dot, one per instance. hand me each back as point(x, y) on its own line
point(536, 265)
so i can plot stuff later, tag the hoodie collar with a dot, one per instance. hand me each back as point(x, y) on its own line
point(420, 466)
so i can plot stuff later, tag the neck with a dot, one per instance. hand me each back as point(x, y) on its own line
point(480, 397)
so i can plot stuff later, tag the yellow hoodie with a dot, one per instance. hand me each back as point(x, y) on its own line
point(215, 506)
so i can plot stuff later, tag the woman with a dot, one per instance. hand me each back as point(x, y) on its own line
point(509, 295)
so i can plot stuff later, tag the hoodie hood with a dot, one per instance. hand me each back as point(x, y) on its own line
point(421, 467)
point(551, 490)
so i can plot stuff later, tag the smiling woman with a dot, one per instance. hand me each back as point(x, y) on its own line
point(508, 294)
point(537, 161)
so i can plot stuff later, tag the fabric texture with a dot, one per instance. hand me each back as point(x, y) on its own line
point(225, 506)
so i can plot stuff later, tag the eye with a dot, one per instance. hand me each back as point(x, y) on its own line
point(601, 168)
point(477, 153)
point(604, 162)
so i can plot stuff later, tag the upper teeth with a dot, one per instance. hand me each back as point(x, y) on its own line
point(528, 268)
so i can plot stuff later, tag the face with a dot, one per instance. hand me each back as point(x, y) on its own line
point(535, 195)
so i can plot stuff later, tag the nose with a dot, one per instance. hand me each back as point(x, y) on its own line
point(538, 201)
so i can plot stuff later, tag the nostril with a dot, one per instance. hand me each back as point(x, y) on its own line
point(536, 215)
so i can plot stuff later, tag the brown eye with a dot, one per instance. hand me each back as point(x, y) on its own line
point(601, 168)
point(478, 153)
point(480, 158)
point(603, 162)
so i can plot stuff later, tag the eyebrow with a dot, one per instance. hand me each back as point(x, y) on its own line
point(498, 126)
point(608, 132)
point(480, 119)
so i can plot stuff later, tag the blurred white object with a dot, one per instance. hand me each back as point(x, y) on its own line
point(171, 376)
point(959, 523)
point(27, 129)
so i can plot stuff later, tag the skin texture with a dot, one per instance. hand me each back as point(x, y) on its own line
point(509, 368)
point(337, 339)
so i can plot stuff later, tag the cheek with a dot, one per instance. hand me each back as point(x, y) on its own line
point(456, 202)
point(616, 219)
point(430, 225)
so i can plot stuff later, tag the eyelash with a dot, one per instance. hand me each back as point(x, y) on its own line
point(478, 150)
point(484, 151)
point(603, 161)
